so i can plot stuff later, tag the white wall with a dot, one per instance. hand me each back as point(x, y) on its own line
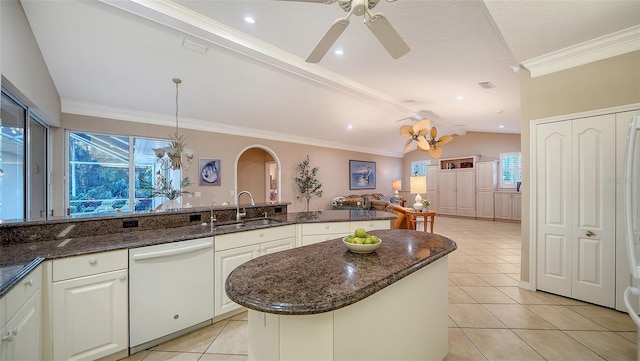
point(24, 71)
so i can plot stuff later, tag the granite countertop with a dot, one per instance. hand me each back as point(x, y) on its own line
point(327, 276)
point(17, 257)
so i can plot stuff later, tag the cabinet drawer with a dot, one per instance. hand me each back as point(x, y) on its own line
point(247, 238)
point(22, 291)
point(370, 225)
point(325, 228)
point(317, 238)
point(90, 264)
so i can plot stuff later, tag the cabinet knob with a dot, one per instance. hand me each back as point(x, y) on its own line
point(29, 283)
point(261, 235)
point(93, 261)
point(123, 277)
point(8, 337)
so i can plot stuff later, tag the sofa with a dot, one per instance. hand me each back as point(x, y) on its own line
point(374, 202)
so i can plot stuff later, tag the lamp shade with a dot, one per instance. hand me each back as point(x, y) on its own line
point(396, 185)
point(418, 185)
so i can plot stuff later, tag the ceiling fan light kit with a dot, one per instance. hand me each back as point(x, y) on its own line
point(377, 23)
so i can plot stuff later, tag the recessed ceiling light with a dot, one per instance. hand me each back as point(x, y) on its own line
point(500, 126)
point(349, 126)
point(249, 19)
point(460, 97)
point(339, 52)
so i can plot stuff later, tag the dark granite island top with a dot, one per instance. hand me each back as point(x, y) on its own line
point(327, 276)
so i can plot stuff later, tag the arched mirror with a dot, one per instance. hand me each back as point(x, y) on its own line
point(257, 170)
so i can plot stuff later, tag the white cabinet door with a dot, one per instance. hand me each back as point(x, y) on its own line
point(433, 193)
point(516, 207)
point(447, 192)
point(90, 316)
point(484, 204)
point(576, 208)
point(466, 192)
point(486, 176)
point(22, 336)
point(225, 262)
point(277, 246)
point(502, 205)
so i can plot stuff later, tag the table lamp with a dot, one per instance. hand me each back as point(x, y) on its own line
point(396, 185)
point(418, 185)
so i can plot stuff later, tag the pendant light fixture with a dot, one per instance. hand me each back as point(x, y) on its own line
point(173, 159)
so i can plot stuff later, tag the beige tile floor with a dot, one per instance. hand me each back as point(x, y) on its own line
point(490, 318)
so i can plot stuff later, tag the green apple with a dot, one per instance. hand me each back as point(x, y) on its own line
point(360, 232)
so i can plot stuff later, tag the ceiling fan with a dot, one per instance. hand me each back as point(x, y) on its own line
point(377, 23)
point(418, 132)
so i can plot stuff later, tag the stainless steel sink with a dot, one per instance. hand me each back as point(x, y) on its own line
point(261, 222)
point(248, 223)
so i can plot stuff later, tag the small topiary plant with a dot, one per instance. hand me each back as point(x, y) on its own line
point(308, 185)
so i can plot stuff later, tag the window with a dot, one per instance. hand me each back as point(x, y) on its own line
point(23, 161)
point(510, 169)
point(105, 172)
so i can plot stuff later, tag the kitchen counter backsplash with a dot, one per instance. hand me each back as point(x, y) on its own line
point(37, 231)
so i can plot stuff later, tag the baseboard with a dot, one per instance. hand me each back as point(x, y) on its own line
point(526, 286)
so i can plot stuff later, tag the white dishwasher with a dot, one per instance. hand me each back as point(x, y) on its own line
point(170, 289)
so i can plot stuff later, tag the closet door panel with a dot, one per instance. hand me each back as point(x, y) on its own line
point(553, 142)
point(594, 209)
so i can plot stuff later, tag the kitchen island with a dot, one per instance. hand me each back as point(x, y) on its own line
point(324, 302)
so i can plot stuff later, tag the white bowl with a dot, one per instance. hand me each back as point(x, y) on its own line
point(361, 248)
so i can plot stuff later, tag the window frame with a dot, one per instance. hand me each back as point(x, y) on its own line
point(516, 169)
point(156, 201)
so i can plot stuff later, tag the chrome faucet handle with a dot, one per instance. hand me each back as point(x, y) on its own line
point(265, 214)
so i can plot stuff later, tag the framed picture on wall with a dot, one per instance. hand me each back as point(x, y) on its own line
point(209, 172)
point(362, 174)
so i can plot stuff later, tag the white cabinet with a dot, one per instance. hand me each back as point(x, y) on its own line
point(89, 303)
point(486, 184)
point(369, 225)
point(457, 192)
point(320, 232)
point(575, 200)
point(21, 336)
point(234, 249)
point(433, 194)
point(507, 206)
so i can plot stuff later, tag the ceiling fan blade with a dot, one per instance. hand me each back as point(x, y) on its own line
point(434, 133)
point(445, 139)
point(327, 40)
point(435, 152)
point(406, 130)
point(423, 144)
point(387, 35)
point(421, 126)
point(407, 146)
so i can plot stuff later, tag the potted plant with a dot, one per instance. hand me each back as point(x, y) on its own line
point(307, 183)
point(164, 188)
point(426, 204)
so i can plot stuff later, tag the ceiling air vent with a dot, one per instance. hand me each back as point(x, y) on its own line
point(486, 85)
point(192, 45)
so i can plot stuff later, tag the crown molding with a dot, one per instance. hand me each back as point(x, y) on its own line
point(102, 111)
point(618, 43)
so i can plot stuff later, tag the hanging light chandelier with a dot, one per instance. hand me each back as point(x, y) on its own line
point(173, 159)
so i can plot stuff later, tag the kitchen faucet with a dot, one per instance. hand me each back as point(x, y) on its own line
point(213, 216)
point(244, 213)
